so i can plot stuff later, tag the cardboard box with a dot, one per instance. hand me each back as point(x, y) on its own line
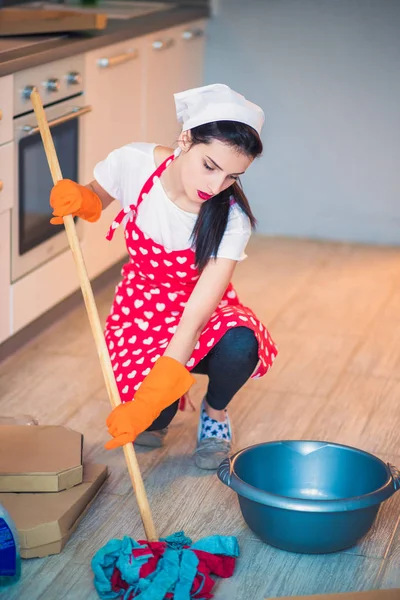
point(39, 458)
point(45, 522)
point(392, 594)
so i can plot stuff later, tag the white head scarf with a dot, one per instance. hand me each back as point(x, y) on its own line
point(216, 102)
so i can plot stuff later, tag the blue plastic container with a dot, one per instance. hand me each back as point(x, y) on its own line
point(10, 560)
point(308, 496)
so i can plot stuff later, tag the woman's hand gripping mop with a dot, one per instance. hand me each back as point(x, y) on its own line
point(172, 567)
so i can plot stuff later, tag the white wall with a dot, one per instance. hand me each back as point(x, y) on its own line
point(327, 74)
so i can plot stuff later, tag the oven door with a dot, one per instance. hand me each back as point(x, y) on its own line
point(34, 239)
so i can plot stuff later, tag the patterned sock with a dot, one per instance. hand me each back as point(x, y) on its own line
point(210, 428)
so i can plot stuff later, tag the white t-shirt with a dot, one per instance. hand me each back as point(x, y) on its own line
point(123, 173)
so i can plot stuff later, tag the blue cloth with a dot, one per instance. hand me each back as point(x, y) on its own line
point(175, 571)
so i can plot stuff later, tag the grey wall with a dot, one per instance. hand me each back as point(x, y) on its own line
point(327, 74)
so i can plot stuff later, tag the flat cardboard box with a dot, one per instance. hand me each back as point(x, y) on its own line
point(391, 594)
point(45, 522)
point(43, 458)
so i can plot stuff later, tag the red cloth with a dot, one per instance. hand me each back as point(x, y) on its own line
point(209, 564)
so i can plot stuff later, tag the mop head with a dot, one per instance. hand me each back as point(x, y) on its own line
point(173, 568)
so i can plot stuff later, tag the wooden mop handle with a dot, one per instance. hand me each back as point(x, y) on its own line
point(105, 362)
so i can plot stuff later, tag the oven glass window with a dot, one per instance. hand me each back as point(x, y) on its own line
point(35, 182)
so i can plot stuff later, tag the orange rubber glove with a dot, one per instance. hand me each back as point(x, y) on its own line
point(167, 381)
point(70, 198)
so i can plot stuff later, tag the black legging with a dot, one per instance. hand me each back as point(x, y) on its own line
point(228, 365)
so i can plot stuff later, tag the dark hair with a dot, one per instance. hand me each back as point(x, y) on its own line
point(213, 216)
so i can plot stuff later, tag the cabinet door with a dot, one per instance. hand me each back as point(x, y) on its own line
point(191, 41)
point(113, 86)
point(174, 62)
point(42, 289)
point(6, 176)
point(6, 109)
point(5, 244)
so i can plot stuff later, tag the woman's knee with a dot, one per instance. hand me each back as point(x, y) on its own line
point(239, 344)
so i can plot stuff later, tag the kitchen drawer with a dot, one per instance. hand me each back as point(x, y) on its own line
point(6, 109)
point(7, 177)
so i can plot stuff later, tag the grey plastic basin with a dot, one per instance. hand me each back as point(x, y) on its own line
point(309, 496)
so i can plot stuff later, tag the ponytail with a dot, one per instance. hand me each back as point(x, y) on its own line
point(213, 217)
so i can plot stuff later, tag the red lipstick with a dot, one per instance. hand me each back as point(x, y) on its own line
point(203, 196)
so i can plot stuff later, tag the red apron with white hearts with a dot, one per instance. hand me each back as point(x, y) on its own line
point(149, 302)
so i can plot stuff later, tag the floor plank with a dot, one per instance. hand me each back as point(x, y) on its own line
point(273, 573)
point(379, 352)
point(309, 364)
point(389, 574)
point(37, 575)
point(285, 267)
point(361, 410)
point(344, 295)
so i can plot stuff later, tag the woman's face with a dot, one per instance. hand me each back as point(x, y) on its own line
point(208, 169)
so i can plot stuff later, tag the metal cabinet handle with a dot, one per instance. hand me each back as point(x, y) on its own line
point(163, 44)
point(113, 61)
point(74, 114)
point(191, 34)
point(1, 185)
point(1, 114)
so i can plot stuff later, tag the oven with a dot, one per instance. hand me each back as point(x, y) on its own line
point(34, 240)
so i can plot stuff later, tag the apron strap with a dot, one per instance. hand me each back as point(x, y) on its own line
point(132, 208)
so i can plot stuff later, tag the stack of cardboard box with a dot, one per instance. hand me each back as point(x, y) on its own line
point(44, 485)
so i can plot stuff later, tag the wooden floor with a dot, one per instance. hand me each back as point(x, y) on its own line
point(334, 311)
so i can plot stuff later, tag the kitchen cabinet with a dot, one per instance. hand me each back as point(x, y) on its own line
point(174, 62)
point(114, 88)
point(130, 86)
point(45, 287)
point(132, 98)
point(6, 109)
point(6, 177)
point(191, 41)
point(5, 244)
